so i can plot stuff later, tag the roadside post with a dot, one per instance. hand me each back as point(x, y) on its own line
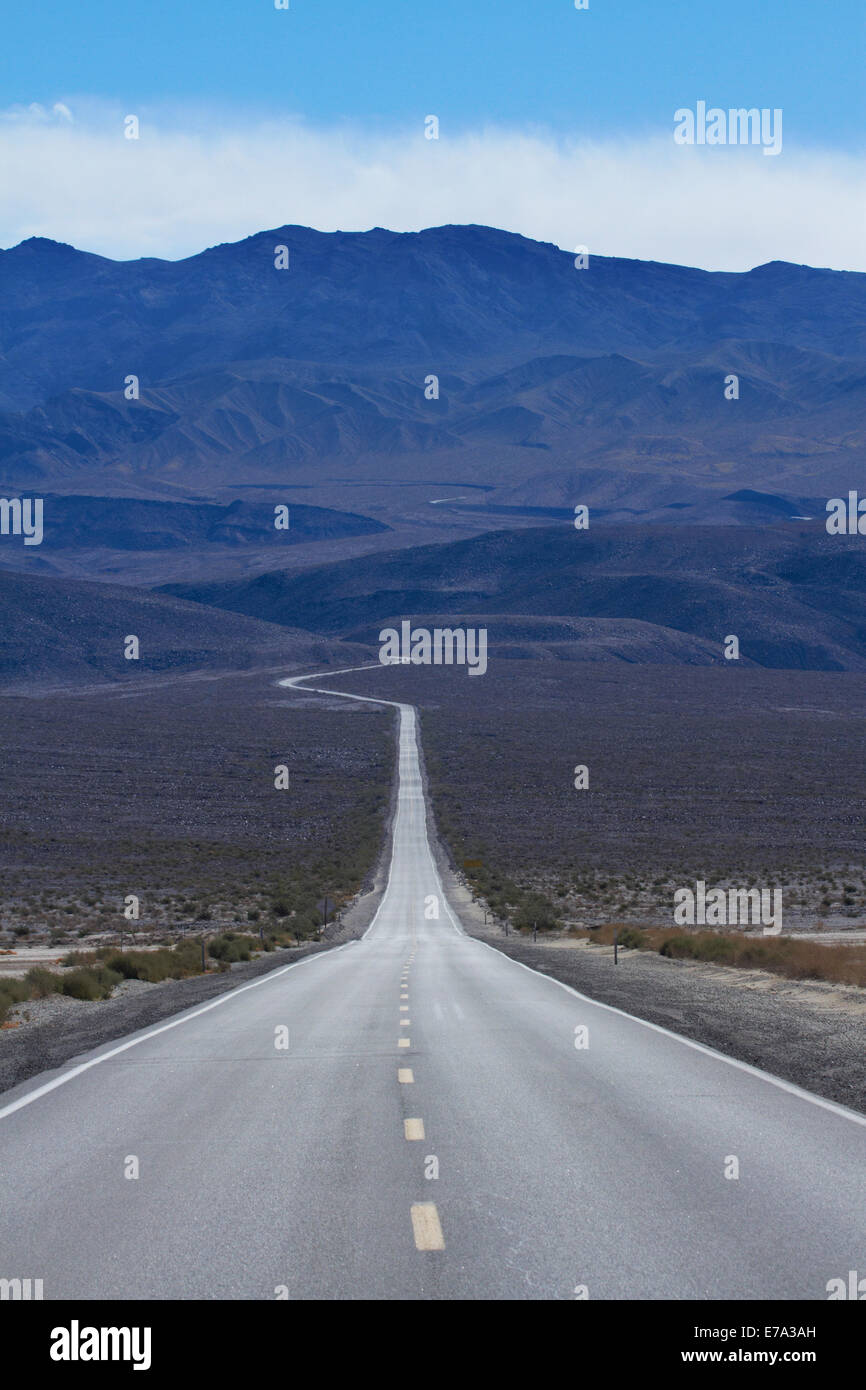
point(325, 905)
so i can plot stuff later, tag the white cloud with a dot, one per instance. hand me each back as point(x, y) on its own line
point(188, 183)
point(36, 114)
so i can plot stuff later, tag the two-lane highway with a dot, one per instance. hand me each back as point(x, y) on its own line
point(415, 1115)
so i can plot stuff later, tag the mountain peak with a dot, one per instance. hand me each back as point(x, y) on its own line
point(45, 244)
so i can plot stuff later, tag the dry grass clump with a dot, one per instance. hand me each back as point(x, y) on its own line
point(781, 955)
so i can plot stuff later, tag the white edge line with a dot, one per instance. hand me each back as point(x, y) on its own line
point(767, 1076)
point(186, 1017)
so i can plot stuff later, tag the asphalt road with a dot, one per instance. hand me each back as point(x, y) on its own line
point(430, 1131)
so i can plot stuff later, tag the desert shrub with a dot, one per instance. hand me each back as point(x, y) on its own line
point(89, 984)
point(536, 909)
point(176, 963)
point(41, 982)
point(79, 982)
point(279, 936)
point(82, 958)
point(798, 960)
point(629, 936)
point(12, 992)
point(229, 947)
point(765, 954)
point(701, 946)
point(124, 963)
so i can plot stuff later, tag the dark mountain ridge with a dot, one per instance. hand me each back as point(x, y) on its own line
point(554, 385)
point(58, 633)
point(69, 318)
point(794, 597)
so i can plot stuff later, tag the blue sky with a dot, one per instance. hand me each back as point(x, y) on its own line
point(620, 66)
point(554, 122)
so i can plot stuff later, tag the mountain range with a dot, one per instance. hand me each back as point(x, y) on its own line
point(552, 381)
point(429, 408)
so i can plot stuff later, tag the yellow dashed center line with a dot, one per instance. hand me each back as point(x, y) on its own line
point(426, 1227)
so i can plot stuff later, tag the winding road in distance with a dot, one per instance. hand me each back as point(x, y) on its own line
point(307, 1171)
